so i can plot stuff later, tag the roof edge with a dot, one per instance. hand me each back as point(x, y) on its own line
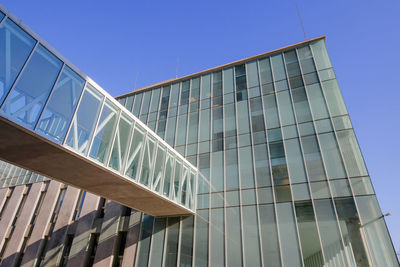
point(322, 37)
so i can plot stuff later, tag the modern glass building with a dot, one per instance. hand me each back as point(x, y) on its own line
point(264, 146)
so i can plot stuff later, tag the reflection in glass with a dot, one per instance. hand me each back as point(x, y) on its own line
point(234, 242)
point(330, 236)
point(135, 151)
point(351, 230)
point(288, 235)
point(58, 112)
point(16, 45)
point(269, 236)
point(148, 161)
point(171, 250)
point(104, 132)
point(84, 121)
point(26, 100)
point(310, 246)
point(120, 147)
point(157, 242)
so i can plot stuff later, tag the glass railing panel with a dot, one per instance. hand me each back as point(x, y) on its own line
point(169, 168)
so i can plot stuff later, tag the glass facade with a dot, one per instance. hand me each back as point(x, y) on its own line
point(281, 180)
point(287, 182)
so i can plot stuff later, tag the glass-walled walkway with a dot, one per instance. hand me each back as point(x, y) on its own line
point(54, 113)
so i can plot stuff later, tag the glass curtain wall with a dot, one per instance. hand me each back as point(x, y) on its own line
point(284, 179)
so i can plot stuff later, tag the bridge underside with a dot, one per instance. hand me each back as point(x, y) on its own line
point(29, 150)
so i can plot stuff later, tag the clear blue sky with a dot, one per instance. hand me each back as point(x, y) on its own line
point(112, 41)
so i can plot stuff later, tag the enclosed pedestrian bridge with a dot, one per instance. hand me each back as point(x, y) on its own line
point(57, 122)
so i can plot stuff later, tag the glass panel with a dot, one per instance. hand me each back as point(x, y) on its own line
point(321, 55)
point(317, 101)
point(379, 242)
point(85, 120)
point(178, 175)
point(201, 246)
point(330, 236)
point(306, 60)
point(333, 160)
point(232, 198)
point(351, 230)
point(303, 112)
point(157, 243)
point(282, 193)
point(129, 102)
point(217, 200)
point(269, 236)
point(169, 164)
point(248, 197)
point(228, 80)
point(217, 237)
point(246, 167)
point(230, 120)
point(263, 176)
point(334, 98)
point(351, 153)
point(204, 168)
point(25, 102)
point(155, 100)
point(144, 242)
point(171, 251)
point(288, 235)
point(158, 168)
point(342, 123)
point(362, 186)
point(193, 125)
point(205, 86)
point(120, 147)
point(285, 108)
point(57, 115)
point(278, 163)
point(323, 126)
point(295, 161)
point(320, 190)
point(300, 192)
point(252, 74)
point(326, 74)
point(16, 45)
point(137, 104)
point(148, 161)
point(231, 167)
point(132, 164)
point(257, 118)
point(251, 236)
point(265, 195)
point(265, 71)
point(217, 171)
point(313, 158)
point(104, 132)
point(310, 246)
point(170, 133)
point(243, 118)
point(181, 130)
point(271, 111)
point(186, 241)
point(234, 242)
point(204, 127)
point(278, 67)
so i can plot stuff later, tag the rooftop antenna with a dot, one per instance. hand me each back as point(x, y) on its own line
point(137, 75)
point(301, 21)
point(177, 67)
